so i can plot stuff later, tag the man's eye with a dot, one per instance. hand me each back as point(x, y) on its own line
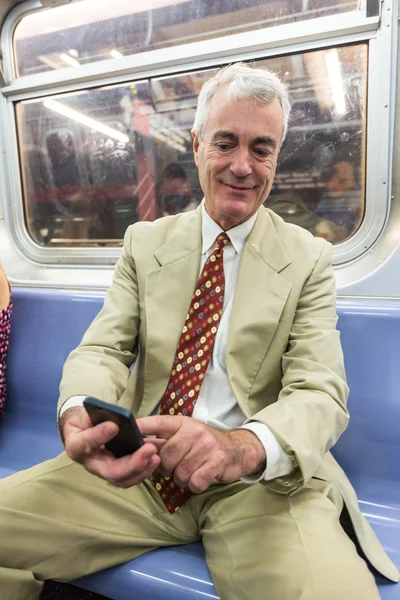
point(263, 152)
point(224, 147)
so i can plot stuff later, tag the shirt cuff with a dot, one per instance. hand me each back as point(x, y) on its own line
point(279, 463)
point(70, 403)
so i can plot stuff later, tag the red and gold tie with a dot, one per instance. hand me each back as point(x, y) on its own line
point(192, 358)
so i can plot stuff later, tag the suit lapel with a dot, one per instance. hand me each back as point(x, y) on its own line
point(168, 293)
point(260, 296)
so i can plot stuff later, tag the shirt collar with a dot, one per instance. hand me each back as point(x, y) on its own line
point(237, 235)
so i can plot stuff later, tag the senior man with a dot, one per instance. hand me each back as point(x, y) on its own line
point(228, 315)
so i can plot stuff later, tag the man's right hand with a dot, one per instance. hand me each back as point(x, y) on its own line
point(84, 443)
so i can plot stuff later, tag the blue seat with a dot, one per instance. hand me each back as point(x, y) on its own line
point(48, 324)
point(174, 573)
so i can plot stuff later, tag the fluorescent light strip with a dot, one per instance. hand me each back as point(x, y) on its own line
point(336, 79)
point(72, 62)
point(177, 146)
point(183, 134)
point(70, 113)
point(49, 61)
point(166, 140)
point(69, 15)
point(115, 53)
point(173, 135)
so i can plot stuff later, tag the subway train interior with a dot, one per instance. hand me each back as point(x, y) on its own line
point(97, 101)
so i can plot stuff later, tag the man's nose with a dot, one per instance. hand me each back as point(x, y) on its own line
point(241, 163)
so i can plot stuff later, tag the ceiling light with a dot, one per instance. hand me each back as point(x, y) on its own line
point(336, 80)
point(72, 62)
point(115, 54)
point(70, 113)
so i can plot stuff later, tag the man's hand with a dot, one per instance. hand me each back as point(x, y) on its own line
point(85, 445)
point(195, 454)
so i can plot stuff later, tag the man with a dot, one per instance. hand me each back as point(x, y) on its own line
point(251, 340)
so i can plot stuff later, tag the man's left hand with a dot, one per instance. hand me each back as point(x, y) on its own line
point(195, 454)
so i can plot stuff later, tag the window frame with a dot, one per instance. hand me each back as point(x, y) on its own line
point(286, 39)
point(262, 43)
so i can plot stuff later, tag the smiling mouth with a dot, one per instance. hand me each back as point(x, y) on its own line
point(235, 187)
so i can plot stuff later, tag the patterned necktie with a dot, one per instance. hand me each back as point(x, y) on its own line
point(192, 358)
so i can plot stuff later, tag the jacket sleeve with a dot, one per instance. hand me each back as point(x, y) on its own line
point(310, 413)
point(100, 365)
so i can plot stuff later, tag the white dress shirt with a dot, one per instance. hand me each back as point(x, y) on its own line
point(216, 405)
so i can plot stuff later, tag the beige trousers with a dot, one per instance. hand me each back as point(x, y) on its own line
point(59, 522)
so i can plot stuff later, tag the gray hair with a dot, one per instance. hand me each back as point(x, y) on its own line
point(242, 82)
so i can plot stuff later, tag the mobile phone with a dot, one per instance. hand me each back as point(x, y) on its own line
point(128, 439)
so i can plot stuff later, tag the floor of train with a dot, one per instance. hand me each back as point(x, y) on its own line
point(65, 591)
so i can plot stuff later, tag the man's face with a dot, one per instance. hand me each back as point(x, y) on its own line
point(237, 157)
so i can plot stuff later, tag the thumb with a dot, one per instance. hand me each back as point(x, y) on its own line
point(81, 444)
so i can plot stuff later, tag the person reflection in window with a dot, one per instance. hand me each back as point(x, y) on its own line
point(61, 149)
point(293, 209)
point(175, 193)
point(66, 172)
point(341, 200)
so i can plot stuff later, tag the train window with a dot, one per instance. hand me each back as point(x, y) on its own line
point(320, 179)
point(96, 30)
point(97, 160)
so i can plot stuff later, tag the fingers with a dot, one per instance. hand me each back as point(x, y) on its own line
point(73, 420)
point(85, 444)
point(155, 441)
point(186, 469)
point(80, 444)
point(137, 478)
point(126, 471)
point(202, 478)
point(162, 426)
point(173, 453)
point(192, 453)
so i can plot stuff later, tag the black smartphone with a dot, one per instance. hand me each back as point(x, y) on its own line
point(128, 439)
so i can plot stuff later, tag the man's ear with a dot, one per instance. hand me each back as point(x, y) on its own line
point(196, 144)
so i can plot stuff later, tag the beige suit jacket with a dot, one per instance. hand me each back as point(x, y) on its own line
point(284, 359)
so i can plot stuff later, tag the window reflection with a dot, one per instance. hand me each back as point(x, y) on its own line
point(95, 161)
point(96, 30)
point(320, 177)
point(175, 191)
